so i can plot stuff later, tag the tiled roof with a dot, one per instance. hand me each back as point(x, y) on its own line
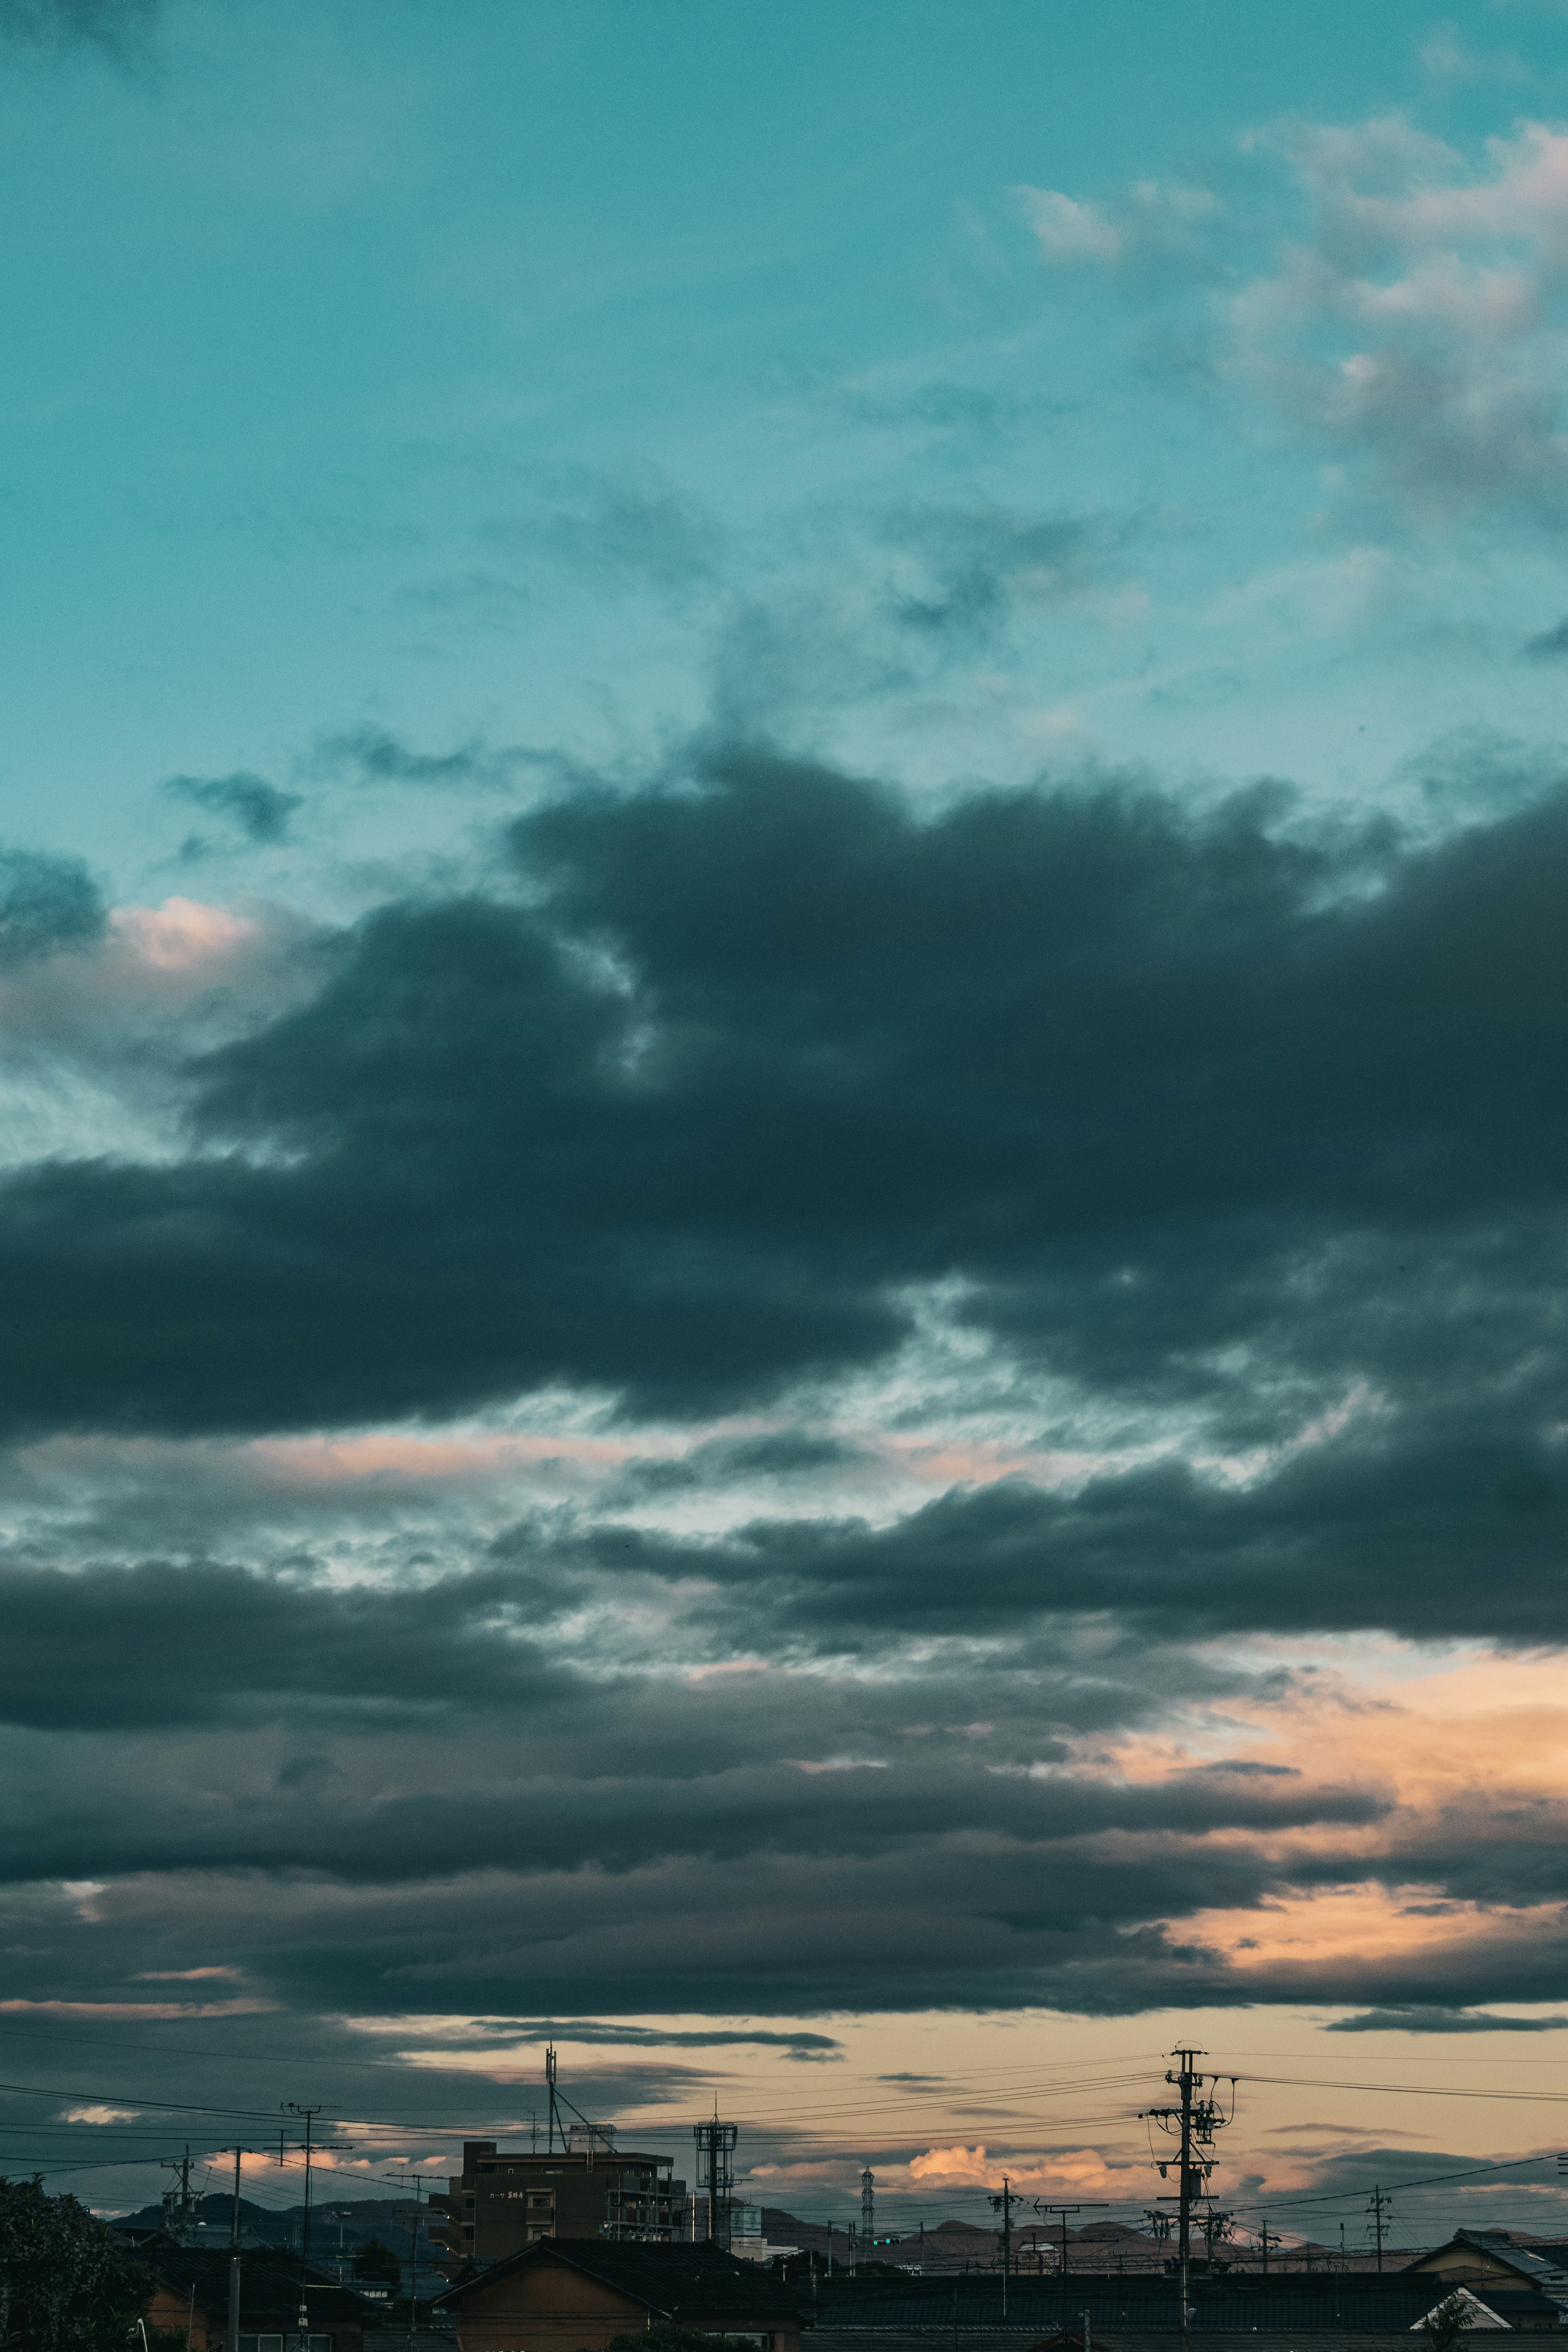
point(1355, 2302)
point(269, 2282)
point(665, 2279)
point(1542, 2265)
point(1110, 2339)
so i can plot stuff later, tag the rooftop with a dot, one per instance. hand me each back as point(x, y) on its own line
point(666, 2279)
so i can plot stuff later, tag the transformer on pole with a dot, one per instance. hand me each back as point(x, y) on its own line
point(1192, 2122)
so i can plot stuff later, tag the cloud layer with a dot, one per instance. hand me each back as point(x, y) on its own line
point(1206, 1150)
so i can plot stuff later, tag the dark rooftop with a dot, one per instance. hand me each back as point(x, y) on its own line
point(1353, 2302)
point(665, 2278)
point(1112, 2339)
point(269, 2282)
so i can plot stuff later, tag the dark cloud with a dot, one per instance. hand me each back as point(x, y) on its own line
point(260, 810)
point(1443, 2020)
point(1550, 645)
point(781, 1454)
point(373, 755)
point(776, 1928)
point(1378, 1528)
point(588, 2031)
point(1222, 1120)
point(983, 563)
point(1206, 1112)
point(46, 905)
point(208, 1644)
point(490, 1806)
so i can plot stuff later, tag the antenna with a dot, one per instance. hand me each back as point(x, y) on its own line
point(715, 2171)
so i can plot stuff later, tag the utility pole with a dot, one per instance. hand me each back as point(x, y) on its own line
point(1193, 2121)
point(232, 2338)
point(868, 2210)
point(1377, 2205)
point(1095, 2205)
point(292, 2107)
point(1004, 2205)
point(180, 2199)
point(402, 2182)
point(1266, 2240)
point(550, 2086)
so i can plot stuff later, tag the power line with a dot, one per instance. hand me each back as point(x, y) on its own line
point(1403, 2090)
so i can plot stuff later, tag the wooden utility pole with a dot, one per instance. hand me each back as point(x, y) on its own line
point(232, 2336)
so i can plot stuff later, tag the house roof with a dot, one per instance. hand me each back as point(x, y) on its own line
point(1110, 2339)
point(1315, 2303)
point(269, 2282)
point(1544, 2267)
point(664, 2279)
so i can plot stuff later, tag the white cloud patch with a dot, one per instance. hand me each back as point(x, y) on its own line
point(1411, 326)
point(1419, 326)
point(1151, 224)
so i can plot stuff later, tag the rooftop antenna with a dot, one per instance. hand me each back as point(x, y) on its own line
point(597, 2134)
point(715, 2171)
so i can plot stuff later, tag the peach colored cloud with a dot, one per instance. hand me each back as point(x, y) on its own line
point(180, 1976)
point(182, 934)
point(1450, 1744)
point(395, 1455)
point(961, 2166)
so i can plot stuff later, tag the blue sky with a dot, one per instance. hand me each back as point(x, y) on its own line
point(545, 375)
point(782, 838)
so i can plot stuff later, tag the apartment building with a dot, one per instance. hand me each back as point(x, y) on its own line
point(505, 2199)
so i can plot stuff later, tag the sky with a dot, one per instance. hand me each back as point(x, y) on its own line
point(783, 826)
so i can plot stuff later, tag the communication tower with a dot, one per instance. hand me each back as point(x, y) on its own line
point(716, 2174)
